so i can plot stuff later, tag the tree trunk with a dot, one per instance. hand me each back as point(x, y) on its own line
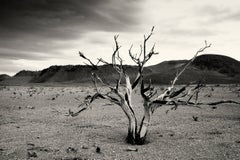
point(132, 127)
point(142, 133)
point(136, 136)
point(132, 130)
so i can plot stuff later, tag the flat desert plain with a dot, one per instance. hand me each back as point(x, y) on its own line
point(34, 125)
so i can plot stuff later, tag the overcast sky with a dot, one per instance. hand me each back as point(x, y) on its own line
point(35, 34)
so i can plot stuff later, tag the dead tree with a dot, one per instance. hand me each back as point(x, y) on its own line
point(121, 93)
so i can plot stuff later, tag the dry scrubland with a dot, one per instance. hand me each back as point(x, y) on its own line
point(33, 125)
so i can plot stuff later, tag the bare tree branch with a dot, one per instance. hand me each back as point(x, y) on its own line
point(194, 57)
point(84, 57)
point(219, 102)
point(145, 41)
point(103, 61)
point(137, 58)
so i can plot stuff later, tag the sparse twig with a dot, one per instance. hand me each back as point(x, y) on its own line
point(194, 57)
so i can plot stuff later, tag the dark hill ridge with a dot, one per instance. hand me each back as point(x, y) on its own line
point(21, 78)
point(222, 64)
point(208, 68)
point(26, 73)
point(81, 73)
point(193, 74)
point(4, 76)
point(167, 66)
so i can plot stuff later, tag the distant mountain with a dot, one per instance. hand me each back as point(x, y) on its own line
point(24, 73)
point(81, 73)
point(207, 68)
point(221, 64)
point(168, 66)
point(4, 77)
point(21, 78)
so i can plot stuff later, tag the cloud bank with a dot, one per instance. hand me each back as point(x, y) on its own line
point(35, 34)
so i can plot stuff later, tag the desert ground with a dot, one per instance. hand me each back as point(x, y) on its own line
point(34, 125)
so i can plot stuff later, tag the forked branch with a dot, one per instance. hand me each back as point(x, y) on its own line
point(141, 59)
point(84, 57)
point(172, 96)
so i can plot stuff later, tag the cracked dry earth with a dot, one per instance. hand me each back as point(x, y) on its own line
point(34, 125)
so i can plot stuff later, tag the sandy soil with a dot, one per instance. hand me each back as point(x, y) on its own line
point(33, 125)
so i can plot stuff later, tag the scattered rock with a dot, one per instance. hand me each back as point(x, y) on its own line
point(30, 107)
point(44, 149)
point(195, 118)
point(84, 147)
point(71, 149)
point(238, 141)
point(30, 144)
point(98, 150)
point(214, 132)
point(131, 149)
point(171, 134)
point(74, 158)
point(31, 154)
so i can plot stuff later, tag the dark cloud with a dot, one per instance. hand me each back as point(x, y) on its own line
point(39, 29)
point(64, 19)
